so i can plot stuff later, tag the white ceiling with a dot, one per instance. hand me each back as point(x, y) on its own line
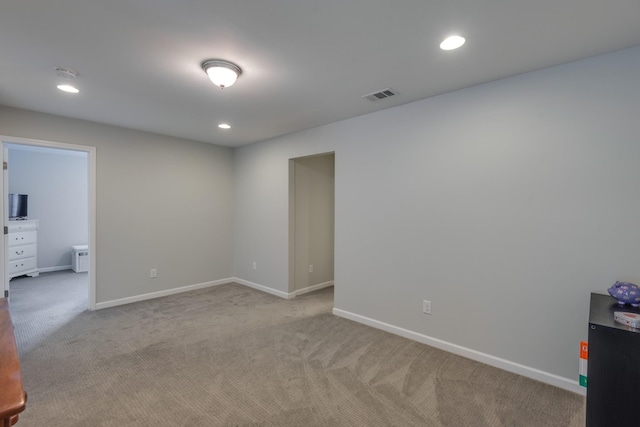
point(305, 63)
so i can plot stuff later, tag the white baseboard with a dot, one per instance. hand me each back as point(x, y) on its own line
point(281, 294)
point(509, 366)
point(49, 269)
point(312, 288)
point(164, 293)
point(263, 288)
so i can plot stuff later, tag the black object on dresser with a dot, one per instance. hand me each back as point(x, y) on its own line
point(613, 376)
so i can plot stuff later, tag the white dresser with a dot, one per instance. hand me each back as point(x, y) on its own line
point(23, 248)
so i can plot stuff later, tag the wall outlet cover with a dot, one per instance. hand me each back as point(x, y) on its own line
point(426, 307)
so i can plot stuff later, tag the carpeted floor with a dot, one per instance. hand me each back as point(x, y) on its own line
point(233, 356)
point(41, 305)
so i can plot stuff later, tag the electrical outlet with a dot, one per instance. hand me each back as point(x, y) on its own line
point(254, 265)
point(310, 268)
point(426, 307)
point(153, 273)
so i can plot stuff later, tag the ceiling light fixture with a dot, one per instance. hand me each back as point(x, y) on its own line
point(224, 126)
point(452, 42)
point(67, 74)
point(222, 73)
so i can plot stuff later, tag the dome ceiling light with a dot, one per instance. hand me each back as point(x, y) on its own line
point(222, 73)
point(67, 74)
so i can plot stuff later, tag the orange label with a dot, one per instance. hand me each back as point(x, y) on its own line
point(584, 350)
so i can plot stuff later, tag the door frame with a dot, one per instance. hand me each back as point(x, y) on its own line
point(292, 288)
point(91, 188)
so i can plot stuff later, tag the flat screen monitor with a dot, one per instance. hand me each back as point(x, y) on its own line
point(18, 205)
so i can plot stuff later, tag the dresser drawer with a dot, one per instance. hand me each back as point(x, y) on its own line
point(22, 238)
point(27, 264)
point(25, 251)
point(15, 226)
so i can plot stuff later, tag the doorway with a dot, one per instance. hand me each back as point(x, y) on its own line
point(311, 223)
point(52, 260)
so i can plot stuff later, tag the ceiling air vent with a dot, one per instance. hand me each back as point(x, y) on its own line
point(381, 94)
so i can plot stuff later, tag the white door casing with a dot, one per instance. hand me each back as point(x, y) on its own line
point(5, 222)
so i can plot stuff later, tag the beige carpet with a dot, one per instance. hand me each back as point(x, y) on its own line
point(41, 305)
point(233, 356)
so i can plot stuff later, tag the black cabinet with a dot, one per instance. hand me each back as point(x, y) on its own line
point(613, 376)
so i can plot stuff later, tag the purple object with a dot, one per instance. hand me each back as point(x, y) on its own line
point(625, 293)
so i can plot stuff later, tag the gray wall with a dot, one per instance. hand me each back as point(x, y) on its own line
point(505, 204)
point(313, 220)
point(56, 182)
point(162, 203)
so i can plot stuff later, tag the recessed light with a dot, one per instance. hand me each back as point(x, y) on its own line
point(452, 42)
point(68, 88)
point(224, 126)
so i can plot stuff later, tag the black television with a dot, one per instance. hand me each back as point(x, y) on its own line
point(18, 204)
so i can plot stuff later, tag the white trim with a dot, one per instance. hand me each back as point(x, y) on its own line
point(49, 269)
point(506, 365)
point(312, 288)
point(281, 294)
point(93, 194)
point(167, 292)
point(4, 258)
point(263, 288)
